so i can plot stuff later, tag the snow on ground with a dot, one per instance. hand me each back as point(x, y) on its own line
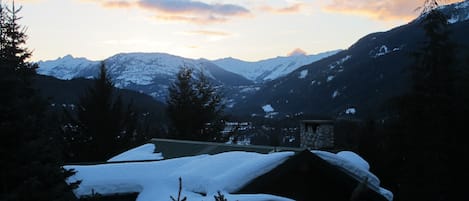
point(143, 152)
point(335, 94)
point(303, 74)
point(383, 50)
point(351, 110)
point(204, 174)
point(340, 62)
point(268, 108)
point(355, 166)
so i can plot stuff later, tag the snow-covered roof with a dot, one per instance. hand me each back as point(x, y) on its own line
point(202, 175)
point(143, 152)
point(355, 166)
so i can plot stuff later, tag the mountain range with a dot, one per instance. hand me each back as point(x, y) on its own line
point(153, 73)
point(355, 81)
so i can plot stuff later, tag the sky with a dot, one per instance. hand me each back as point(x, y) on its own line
point(250, 30)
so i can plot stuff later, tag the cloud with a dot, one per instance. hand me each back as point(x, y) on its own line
point(181, 10)
point(193, 11)
point(207, 33)
point(297, 51)
point(295, 8)
point(188, 6)
point(379, 9)
point(117, 4)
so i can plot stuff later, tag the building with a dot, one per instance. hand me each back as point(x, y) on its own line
point(182, 148)
point(317, 134)
point(243, 175)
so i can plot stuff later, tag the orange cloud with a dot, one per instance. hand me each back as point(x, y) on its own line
point(190, 18)
point(193, 11)
point(379, 9)
point(181, 10)
point(117, 4)
point(295, 8)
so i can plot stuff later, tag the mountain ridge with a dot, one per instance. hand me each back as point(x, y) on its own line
point(362, 78)
point(153, 73)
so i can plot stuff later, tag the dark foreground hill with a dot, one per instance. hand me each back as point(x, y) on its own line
point(64, 94)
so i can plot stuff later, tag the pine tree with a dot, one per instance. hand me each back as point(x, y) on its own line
point(209, 109)
point(424, 137)
point(102, 126)
point(29, 153)
point(194, 108)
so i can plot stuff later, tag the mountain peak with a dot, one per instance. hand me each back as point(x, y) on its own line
point(297, 52)
point(68, 56)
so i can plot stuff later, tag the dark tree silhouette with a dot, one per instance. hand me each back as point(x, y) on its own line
point(194, 108)
point(30, 155)
point(103, 127)
point(426, 141)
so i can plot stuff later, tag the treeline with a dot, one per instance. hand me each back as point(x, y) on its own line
point(30, 146)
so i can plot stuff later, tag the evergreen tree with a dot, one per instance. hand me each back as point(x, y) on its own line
point(102, 127)
point(425, 138)
point(209, 109)
point(194, 108)
point(30, 156)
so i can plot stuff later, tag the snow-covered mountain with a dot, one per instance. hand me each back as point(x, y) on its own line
point(68, 67)
point(150, 73)
point(269, 69)
point(153, 73)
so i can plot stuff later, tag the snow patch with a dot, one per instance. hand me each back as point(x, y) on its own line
point(350, 111)
point(335, 94)
point(249, 89)
point(270, 115)
point(340, 62)
point(303, 74)
point(143, 152)
point(383, 50)
point(330, 78)
point(268, 108)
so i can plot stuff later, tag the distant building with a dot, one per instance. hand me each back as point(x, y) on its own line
point(317, 134)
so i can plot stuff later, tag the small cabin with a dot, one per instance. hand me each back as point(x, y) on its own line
point(317, 134)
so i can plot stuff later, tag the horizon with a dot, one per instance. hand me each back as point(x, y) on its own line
point(209, 29)
point(97, 60)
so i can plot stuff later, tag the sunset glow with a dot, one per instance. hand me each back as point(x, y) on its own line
point(211, 29)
